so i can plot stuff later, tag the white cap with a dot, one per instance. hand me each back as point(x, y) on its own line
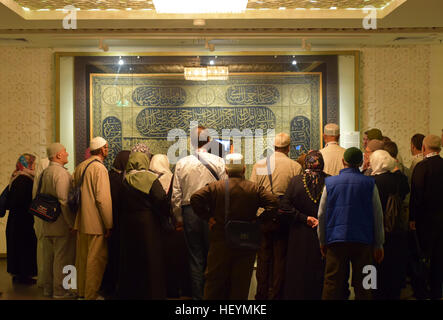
point(53, 149)
point(331, 129)
point(97, 143)
point(282, 140)
point(234, 162)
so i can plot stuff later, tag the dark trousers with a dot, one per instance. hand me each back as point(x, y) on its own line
point(271, 263)
point(229, 272)
point(436, 267)
point(196, 236)
point(338, 257)
point(391, 273)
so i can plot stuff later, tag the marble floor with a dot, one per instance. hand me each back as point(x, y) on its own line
point(12, 291)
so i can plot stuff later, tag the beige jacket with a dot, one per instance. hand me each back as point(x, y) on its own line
point(95, 214)
point(285, 169)
point(333, 156)
point(56, 181)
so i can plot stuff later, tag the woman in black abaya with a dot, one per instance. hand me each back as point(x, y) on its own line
point(304, 263)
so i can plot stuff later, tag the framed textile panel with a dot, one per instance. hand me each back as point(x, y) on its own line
point(130, 108)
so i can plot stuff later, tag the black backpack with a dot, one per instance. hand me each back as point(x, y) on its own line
point(395, 217)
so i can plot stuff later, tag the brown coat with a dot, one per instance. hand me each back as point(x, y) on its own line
point(245, 198)
point(95, 214)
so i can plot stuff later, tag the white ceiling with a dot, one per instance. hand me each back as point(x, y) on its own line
point(418, 21)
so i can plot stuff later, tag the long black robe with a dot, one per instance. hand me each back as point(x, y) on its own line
point(21, 242)
point(110, 276)
point(141, 267)
point(391, 273)
point(304, 264)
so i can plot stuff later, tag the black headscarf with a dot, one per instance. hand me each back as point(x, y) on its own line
point(120, 161)
point(314, 177)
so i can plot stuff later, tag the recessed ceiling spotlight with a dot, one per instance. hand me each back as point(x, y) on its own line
point(26, 9)
point(333, 8)
point(128, 9)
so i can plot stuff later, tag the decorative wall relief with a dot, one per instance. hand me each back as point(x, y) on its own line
point(127, 109)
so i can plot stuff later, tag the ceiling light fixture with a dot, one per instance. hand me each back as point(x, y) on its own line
point(200, 6)
point(199, 22)
point(206, 73)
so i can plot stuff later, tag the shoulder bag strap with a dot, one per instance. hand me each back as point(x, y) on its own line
point(203, 161)
point(269, 172)
point(40, 182)
point(84, 171)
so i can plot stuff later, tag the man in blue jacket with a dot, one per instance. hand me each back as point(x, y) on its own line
point(350, 227)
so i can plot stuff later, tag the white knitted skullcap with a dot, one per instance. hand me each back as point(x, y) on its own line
point(97, 143)
point(331, 129)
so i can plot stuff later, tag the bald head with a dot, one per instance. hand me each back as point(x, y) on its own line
point(431, 143)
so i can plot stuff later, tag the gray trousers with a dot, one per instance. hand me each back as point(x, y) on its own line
point(57, 253)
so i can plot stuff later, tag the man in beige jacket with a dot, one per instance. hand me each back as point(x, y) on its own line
point(93, 221)
point(332, 152)
point(271, 258)
point(58, 239)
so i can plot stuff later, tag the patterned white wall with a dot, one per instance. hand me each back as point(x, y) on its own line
point(395, 94)
point(26, 108)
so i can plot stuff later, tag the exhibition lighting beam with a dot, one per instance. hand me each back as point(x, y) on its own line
point(200, 6)
point(206, 73)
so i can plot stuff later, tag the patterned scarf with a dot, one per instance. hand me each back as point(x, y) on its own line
point(24, 166)
point(314, 177)
point(141, 147)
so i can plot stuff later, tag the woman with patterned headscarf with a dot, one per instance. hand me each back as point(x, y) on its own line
point(304, 263)
point(21, 242)
point(141, 267)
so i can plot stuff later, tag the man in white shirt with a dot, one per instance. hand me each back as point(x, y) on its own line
point(191, 174)
point(332, 152)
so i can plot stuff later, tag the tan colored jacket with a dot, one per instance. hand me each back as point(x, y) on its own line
point(285, 169)
point(333, 158)
point(56, 181)
point(95, 214)
point(245, 198)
